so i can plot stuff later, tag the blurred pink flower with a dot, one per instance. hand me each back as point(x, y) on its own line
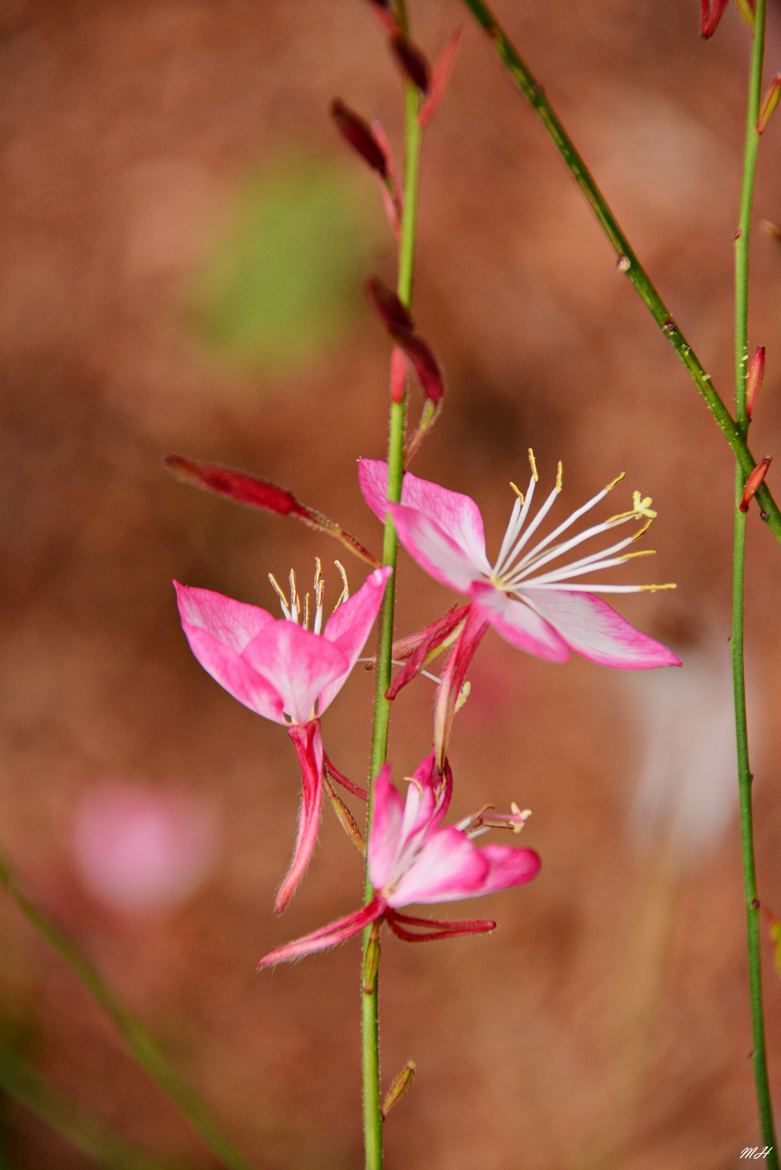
point(285, 671)
point(141, 850)
point(412, 859)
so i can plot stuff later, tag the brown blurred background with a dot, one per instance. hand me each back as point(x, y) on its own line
point(183, 243)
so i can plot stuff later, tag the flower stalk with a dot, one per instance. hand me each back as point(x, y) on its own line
point(627, 259)
point(742, 482)
point(372, 1098)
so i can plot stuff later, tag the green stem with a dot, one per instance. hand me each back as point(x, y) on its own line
point(742, 253)
point(21, 1082)
point(627, 257)
point(372, 1101)
point(141, 1044)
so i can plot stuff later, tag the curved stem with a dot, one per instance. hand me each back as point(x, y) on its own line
point(140, 1043)
point(627, 257)
point(372, 1100)
point(742, 253)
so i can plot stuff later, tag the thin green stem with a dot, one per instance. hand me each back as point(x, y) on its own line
point(24, 1084)
point(742, 254)
point(628, 261)
point(140, 1043)
point(372, 1100)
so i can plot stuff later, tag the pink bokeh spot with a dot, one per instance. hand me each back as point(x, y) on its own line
point(137, 850)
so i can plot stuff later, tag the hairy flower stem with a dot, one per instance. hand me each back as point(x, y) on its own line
point(138, 1041)
point(627, 259)
point(372, 1097)
point(742, 250)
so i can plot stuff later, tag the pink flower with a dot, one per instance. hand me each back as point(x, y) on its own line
point(285, 671)
point(412, 858)
point(532, 604)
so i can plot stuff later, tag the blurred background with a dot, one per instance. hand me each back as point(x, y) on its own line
point(184, 237)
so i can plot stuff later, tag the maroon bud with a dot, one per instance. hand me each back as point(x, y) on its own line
point(387, 305)
point(423, 363)
point(754, 482)
point(711, 12)
point(236, 485)
point(358, 134)
point(411, 61)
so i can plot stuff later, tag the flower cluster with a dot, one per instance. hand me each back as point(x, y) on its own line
point(290, 669)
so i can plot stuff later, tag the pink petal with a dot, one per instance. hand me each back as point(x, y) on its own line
point(453, 677)
point(326, 936)
point(449, 867)
point(518, 624)
point(385, 836)
point(508, 867)
point(235, 675)
point(433, 549)
point(349, 625)
point(231, 622)
point(457, 515)
point(593, 628)
point(309, 748)
point(298, 664)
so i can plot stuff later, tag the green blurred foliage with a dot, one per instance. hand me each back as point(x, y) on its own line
point(283, 278)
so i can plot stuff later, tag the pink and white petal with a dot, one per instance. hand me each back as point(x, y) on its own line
point(593, 628)
point(385, 837)
point(427, 801)
point(234, 623)
point(349, 625)
point(429, 545)
point(448, 867)
point(455, 513)
point(518, 624)
point(298, 664)
point(309, 749)
point(508, 866)
point(327, 936)
point(236, 676)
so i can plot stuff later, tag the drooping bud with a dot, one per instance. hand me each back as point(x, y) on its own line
point(243, 488)
point(344, 816)
point(358, 134)
point(387, 305)
point(411, 61)
point(711, 12)
point(371, 962)
point(423, 363)
point(399, 1087)
point(440, 75)
point(754, 482)
point(754, 377)
point(769, 104)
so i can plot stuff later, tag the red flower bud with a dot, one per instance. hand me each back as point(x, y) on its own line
point(711, 12)
point(236, 485)
point(754, 482)
point(411, 61)
point(358, 134)
point(387, 305)
point(754, 377)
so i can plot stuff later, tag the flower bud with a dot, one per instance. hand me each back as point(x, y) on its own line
point(769, 104)
point(754, 377)
point(711, 12)
point(754, 482)
point(411, 61)
point(358, 134)
point(399, 1087)
point(387, 305)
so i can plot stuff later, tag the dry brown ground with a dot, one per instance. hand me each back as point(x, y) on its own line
point(605, 1024)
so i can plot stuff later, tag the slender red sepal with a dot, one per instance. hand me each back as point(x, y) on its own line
point(440, 75)
point(244, 488)
point(359, 135)
point(411, 61)
point(424, 642)
point(442, 928)
point(309, 748)
point(327, 936)
point(382, 10)
point(340, 778)
point(711, 12)
point(453, 679)
point(423, 362)
point(387, 305)
point(754, 482)
point(392, 198)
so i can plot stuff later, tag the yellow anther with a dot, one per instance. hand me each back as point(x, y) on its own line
point(533, 465)
point(517, 490)
point(642, 505)
point(306, 611)
point(643, 552)
point(654, 588)
point(345, 583)
point(642, 531)
point(293, 591)
point(609, 487)
point(277, 589)
point(522, 814)
point(559, 476)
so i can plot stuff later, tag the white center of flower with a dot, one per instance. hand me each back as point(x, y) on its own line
point(518, 564)
point(309, 607)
